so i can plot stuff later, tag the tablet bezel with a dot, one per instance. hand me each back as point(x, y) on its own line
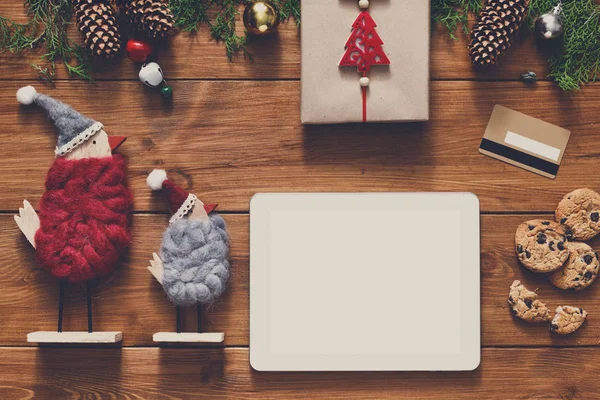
point(261, 206)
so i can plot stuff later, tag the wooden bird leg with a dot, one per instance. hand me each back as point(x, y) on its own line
point(61, 304)
point(89, 306)
point(178, 319)
point(199, 314)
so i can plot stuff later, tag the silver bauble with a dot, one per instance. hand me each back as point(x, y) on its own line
point(550, 25)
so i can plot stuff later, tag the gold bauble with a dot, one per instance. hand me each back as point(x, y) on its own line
point(261, 17)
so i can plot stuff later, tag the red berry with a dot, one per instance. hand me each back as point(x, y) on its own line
point(138, 51)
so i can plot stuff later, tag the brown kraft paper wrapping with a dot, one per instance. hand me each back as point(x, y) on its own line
point(398, 92)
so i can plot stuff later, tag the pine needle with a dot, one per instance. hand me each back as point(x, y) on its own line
point(453, 13)
point(190, 14)
point(223, 29)
point(577, 61)
point(289, 9)
point(48, 26)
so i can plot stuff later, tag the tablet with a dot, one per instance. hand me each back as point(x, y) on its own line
point(364, 282)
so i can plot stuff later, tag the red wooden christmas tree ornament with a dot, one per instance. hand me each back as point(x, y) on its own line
point(363, 50)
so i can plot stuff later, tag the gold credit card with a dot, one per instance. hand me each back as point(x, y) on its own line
point(524, 141)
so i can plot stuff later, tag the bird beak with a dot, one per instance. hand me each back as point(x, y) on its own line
point(115, 141)
point(210, 208)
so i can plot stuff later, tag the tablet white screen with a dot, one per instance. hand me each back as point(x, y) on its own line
point(339, 275)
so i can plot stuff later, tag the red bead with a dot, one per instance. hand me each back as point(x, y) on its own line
point(138, 51)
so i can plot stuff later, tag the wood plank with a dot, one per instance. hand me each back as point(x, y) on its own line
point(276, 57)
point(133, 302)
point(229, 140)
point(212, 373)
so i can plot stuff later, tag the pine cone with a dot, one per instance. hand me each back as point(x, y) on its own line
point(98, 26)
point(494, 29)
point(154, 17)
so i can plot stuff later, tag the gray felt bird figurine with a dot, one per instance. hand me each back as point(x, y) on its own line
point(193, 266)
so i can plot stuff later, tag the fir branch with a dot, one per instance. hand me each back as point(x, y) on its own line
point(289, 9)
point(44, 73)
point(18, 37)
point(578, 61)
point(453, 13)
point(48, 26)
point(190, 14)
point(223, 29)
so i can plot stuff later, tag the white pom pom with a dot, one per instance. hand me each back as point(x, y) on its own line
point(26, 95)
point(156, 178)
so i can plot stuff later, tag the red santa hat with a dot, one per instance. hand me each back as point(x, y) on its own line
point(181, 202)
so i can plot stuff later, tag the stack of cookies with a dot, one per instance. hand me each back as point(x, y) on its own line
point(556, 248)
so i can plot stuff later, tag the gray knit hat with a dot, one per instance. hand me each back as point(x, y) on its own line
point(73, 127)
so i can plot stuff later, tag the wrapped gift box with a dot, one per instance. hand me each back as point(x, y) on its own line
point(396, 92)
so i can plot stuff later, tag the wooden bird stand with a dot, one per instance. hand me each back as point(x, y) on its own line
point(188, 337)
point(49, 337)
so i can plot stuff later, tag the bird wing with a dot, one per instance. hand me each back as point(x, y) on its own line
point(28, 221)
point(156, 267)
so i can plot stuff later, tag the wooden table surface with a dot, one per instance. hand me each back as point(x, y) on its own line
point(233, 130)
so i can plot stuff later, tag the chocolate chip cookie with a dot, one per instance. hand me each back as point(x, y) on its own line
point(567, 319)
point(580, 212)
point(579, 271)
point(541, 245)
point(525, 305)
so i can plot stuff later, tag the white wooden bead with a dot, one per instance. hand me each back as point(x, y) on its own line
point(363, 3)
point(364, 81)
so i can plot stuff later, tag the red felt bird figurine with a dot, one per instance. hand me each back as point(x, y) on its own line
point(82, 225)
